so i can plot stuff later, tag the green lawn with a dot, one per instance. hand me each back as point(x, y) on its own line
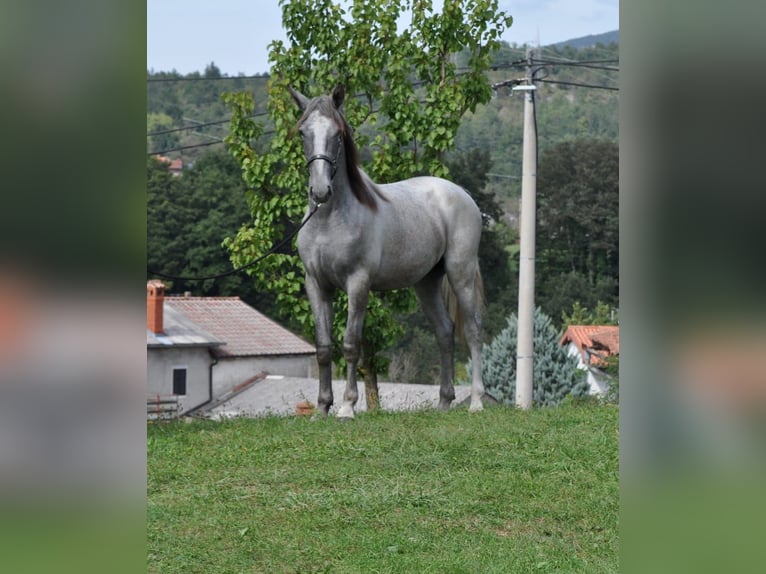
point(498, 491)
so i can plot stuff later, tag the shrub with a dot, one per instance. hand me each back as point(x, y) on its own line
point(556, 375)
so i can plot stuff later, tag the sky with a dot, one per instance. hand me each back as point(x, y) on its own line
point(234, 34)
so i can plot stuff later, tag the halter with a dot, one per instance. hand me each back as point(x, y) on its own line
point(333, 161)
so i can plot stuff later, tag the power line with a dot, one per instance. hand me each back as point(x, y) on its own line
point(508, 65)
point(567, 61)
point(595, 86)
point(200, 125)
point(589, 65)
point(204, 79)
point(183, 147)
point(192, 146)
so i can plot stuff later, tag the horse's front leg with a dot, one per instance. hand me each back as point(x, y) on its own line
point(321, 306)
point(358, 295)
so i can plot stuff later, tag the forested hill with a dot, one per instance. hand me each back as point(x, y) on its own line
point(576, 98)
point(591, 40)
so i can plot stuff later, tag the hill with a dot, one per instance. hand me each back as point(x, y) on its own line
point(185, 115)
point(591, 40)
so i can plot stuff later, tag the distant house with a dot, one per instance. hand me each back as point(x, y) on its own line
point(592, 345)
point(201, 348)
point(175, 166)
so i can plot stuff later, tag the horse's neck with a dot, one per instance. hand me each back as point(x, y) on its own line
point(344, 201)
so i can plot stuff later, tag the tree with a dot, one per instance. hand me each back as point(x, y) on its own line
point(410, 93)
point(188, 218)
point(578, 225)
point(160, 124)
point(556, 375)
point(603, 314)
point(469, 169)
point(166, 219)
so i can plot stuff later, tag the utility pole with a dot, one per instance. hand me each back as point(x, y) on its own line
point(526, 314)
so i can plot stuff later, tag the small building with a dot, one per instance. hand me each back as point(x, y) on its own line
point(254, 344)
point(593, 345)
point(179, 359)
point(175, 166)
point(200, 349)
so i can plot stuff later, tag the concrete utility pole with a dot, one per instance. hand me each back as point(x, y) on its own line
point(526, 314)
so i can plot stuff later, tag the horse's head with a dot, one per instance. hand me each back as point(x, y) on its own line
point(323, 130)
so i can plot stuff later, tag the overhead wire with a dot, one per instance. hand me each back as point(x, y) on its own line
point(200, 125)
point(206, 79)
point(514, 64)
point(578, 84)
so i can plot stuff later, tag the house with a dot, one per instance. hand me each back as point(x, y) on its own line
point(222, 343)
point(254, 343)
point(593, 345)
point(179, 359)
point(175, 166)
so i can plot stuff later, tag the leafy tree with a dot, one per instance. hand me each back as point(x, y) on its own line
point(556, 375)
point(469, 169)
point(603, 314)
point(166, 219)
point(160, 123)
point(410, 93)
point(188, 218)
point(577, 225)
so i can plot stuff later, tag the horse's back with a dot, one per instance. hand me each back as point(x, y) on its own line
point(438, 196)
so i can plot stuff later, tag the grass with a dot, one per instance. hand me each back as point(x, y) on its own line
point(500, 491)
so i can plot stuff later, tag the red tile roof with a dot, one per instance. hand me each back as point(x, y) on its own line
point(245, 331)
point(594, 342)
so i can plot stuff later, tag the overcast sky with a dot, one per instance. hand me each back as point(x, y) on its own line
point(187, 36)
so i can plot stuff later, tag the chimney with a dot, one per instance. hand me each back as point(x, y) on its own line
point(155, 296)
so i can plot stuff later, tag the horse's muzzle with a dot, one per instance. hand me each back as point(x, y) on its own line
point(320, 197)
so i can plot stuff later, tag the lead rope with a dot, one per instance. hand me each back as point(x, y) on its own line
point(314, 208)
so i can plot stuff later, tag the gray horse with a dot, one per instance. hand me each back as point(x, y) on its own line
point(366, 236)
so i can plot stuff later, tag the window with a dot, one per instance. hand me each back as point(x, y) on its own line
point(179, 381)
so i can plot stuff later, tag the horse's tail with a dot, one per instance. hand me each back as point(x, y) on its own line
point(453, 307)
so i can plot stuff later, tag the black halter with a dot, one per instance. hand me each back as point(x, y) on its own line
point(333, 161)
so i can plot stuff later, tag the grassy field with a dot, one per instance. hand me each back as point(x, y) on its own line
point(500, 491)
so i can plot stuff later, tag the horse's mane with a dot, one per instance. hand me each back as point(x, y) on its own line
point(365, 191)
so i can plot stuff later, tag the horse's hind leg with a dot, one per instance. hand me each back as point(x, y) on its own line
point(465, 281)
point(358, 295)
point(428, 291)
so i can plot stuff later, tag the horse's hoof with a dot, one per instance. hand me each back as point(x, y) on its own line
point(444, 405)
point(476, 406)
point(345, 413)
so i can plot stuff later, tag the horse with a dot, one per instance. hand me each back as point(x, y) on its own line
point(363, 236)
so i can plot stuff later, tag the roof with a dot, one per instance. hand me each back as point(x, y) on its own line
point(246, 332)
point(174, 164)
point(594, 342)
point(180, 331)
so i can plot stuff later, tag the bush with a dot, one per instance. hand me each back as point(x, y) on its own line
point(556, 375)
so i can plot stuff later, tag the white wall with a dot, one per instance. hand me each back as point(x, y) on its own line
point(160, 364)
point(598, 385)
point(230, 372)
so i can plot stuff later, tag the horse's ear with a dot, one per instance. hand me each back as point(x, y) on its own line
point(299, 98)
point(338, 95)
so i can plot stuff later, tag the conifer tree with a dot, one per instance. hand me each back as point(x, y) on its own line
point(555, 373)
